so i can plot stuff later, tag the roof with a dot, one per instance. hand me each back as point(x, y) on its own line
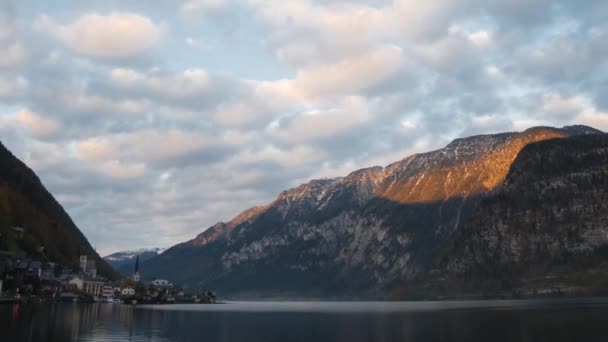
point(64, 276)
point(21, 264)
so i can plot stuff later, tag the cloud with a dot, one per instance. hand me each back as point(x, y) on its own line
point(117, 35)
point(317, 124)
point(153, 122)
point(12, 87)
point(593, 118)
point(14, 54)
point(358, 74)
point(119, 170)
point(195, 87)
point(95, 149)
point(201, 8)
point(558, 107)
point(36, 124)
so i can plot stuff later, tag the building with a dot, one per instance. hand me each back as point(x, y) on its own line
point(107, 291)
point(128, 291)
point(136, 276)
point(91, 268)
point(35, 269)
point(161, 283)
point(88, 266)
point(83, 263)
point(93, 286)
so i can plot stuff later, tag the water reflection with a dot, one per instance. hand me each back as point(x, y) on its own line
point(306, 322)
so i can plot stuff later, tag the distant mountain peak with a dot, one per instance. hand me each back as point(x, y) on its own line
point(131, 254)
point(124, 261)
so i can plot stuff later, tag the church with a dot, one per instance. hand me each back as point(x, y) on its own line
point(136, 276)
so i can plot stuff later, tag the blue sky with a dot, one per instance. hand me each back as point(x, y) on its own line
point(152, 120)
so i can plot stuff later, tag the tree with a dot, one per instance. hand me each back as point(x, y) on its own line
point(127, 282)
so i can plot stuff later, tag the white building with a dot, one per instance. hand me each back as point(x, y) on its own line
point(91, 268)
point(93, 286)
point(107, 291)
point(128, 291)
point(161, 283)
point(83, 263)
point(88, 266)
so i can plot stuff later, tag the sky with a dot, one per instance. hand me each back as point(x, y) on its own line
point(150, 121)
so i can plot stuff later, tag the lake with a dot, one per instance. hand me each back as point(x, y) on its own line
point(477, 321)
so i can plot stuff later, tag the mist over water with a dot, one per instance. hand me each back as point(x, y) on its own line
point(310, 321)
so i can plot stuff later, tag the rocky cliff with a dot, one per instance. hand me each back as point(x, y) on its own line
point(544, 228)
point(370, 231)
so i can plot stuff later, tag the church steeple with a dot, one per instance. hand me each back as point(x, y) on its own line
point(136, 273)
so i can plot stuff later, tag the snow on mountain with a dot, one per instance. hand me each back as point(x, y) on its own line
point(124, 261)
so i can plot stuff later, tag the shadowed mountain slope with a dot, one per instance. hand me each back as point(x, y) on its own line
point(50, 234)
point(545, 227)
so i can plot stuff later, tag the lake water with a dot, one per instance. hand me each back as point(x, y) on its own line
point(475, 321)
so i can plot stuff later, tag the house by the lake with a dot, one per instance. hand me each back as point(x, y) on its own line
point(161, 283)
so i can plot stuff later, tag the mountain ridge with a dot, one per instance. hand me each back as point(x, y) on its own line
point(123, 262)
point(375, 227)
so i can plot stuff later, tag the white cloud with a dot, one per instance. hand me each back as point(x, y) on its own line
point(119, 170)
point(557, 107)
point(480, 38)
point(316, 124)
point(13, 55)
point(593, 118)
point(36, 125)
point(195, 82)
point(117, 35)
point(95, 149)
point(201, 8)
point(360, 73)
point(243, 98)
point(262, 103)
point(297, 156)
point(12, 86)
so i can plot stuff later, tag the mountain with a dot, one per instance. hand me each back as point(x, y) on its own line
point(124, 262)
point(546, 227)
point(373, 230)
point(49, 232)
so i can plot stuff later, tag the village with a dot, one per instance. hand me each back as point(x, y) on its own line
point(24, 279)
